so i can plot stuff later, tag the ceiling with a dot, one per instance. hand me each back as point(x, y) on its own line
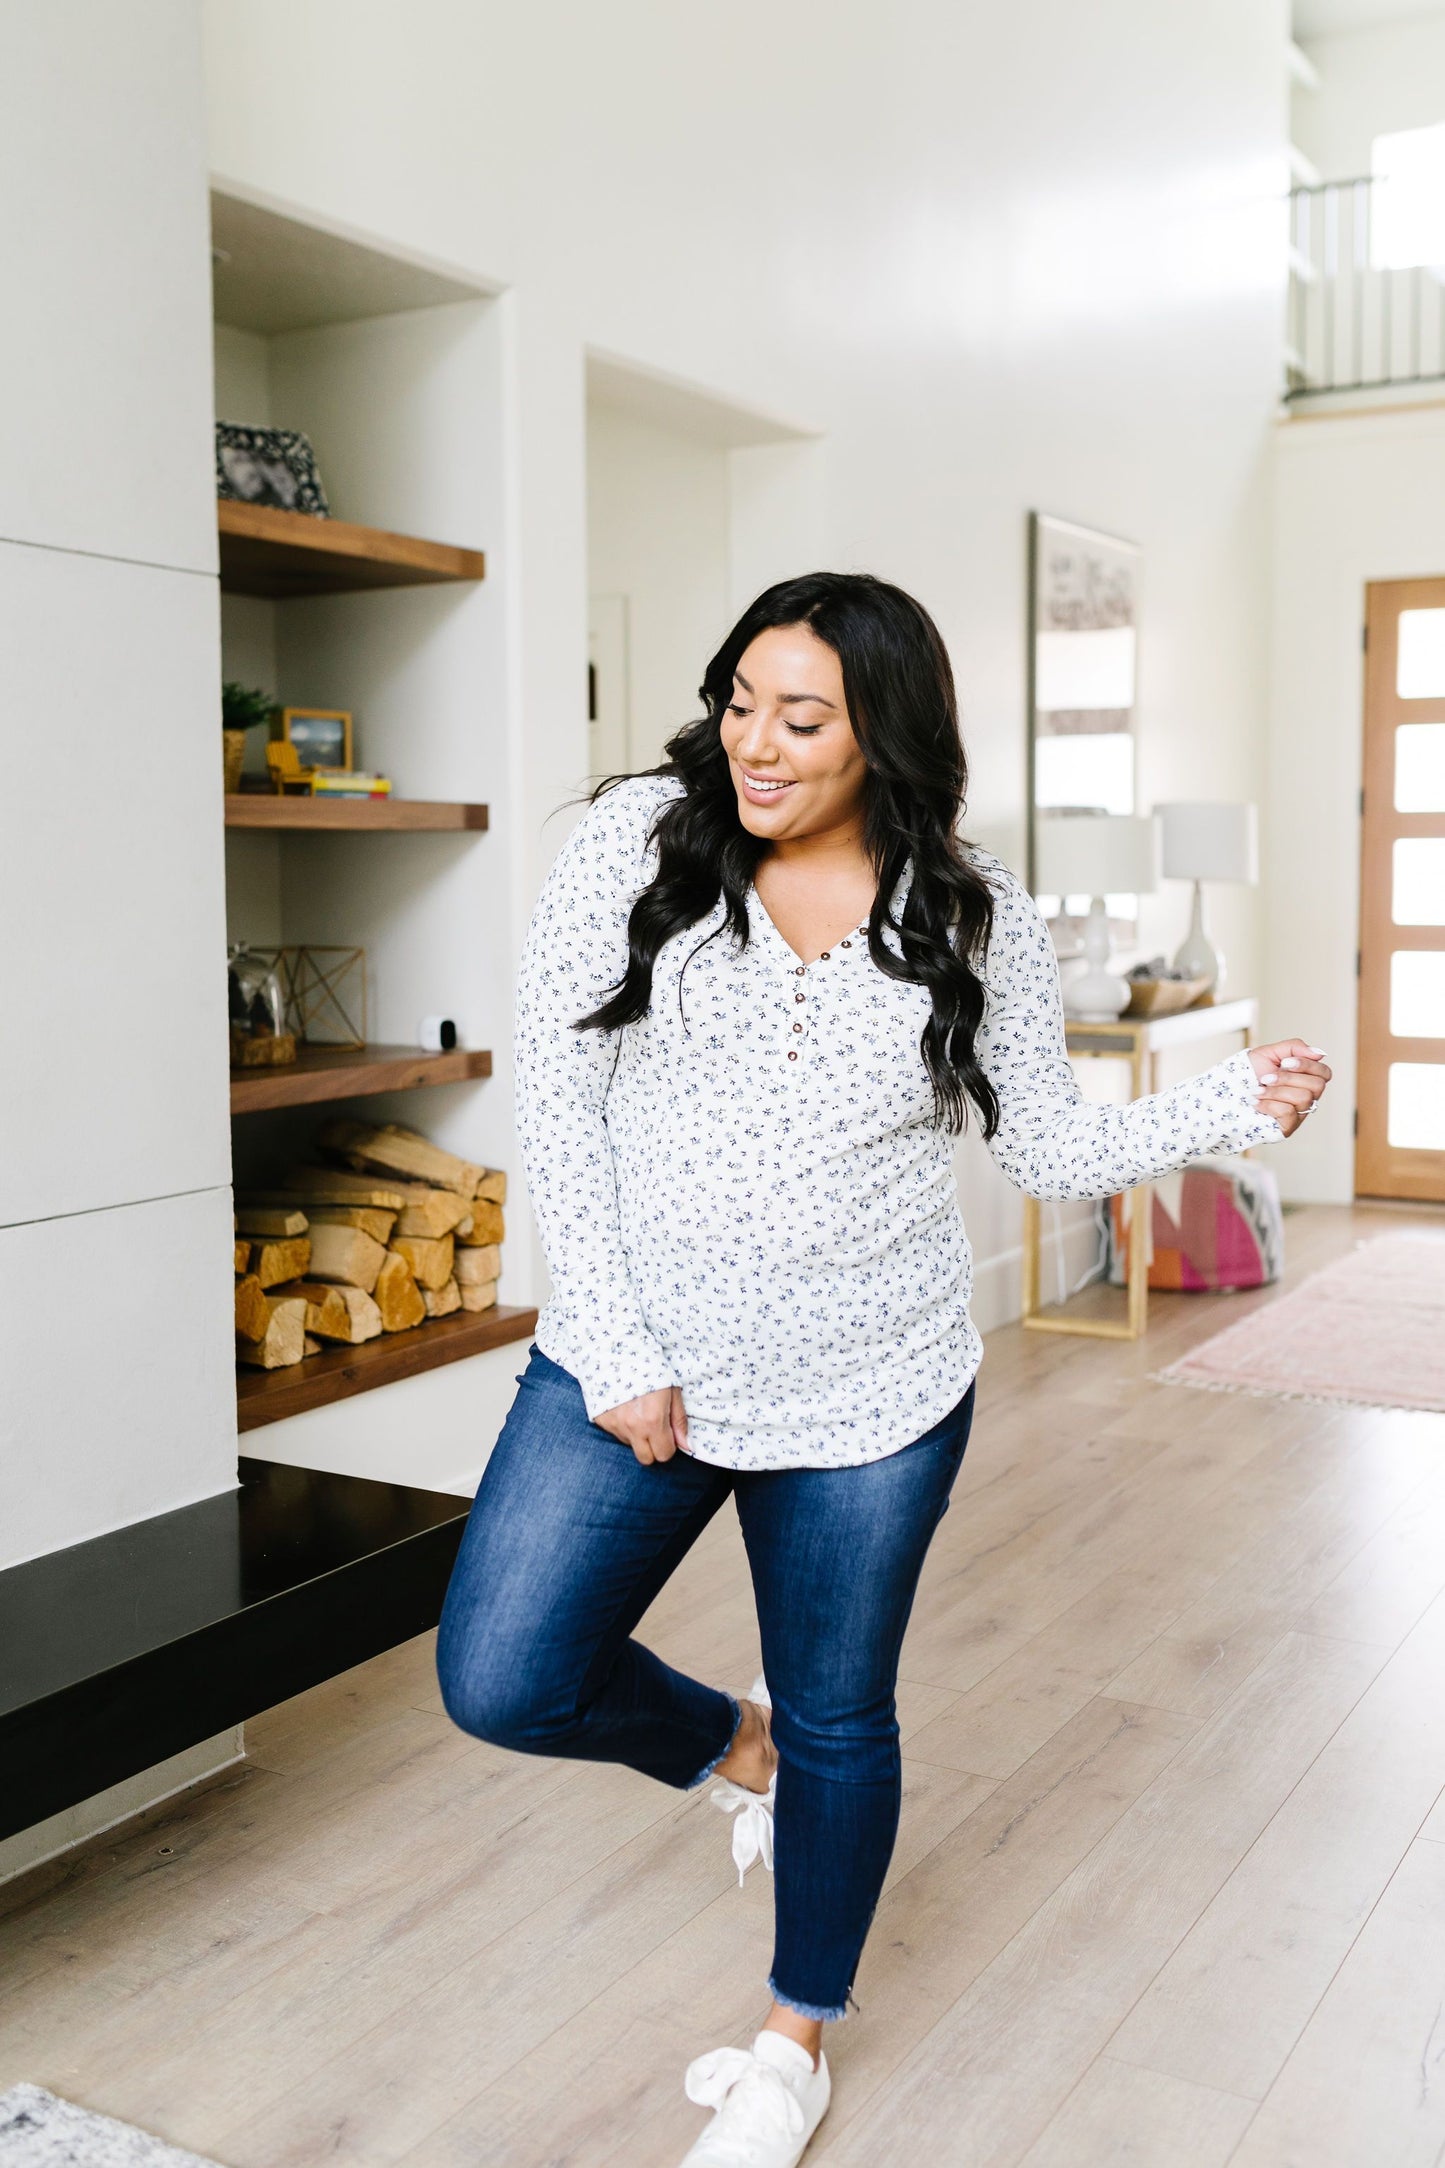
point(1322, 18)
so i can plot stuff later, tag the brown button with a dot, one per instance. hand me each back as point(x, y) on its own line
point(825, 955)
point(846, 944)
point(792, 1053)
point(798, 971)
point(800, 997)
point(797, 1027)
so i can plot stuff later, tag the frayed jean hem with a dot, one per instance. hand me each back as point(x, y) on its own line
point(703, 1776)
point(807, 2009)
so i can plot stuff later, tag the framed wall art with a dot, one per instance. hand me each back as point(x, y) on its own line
point(269, 466)
point(322, 736)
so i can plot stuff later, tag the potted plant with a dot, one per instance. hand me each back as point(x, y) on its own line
point(242, 708)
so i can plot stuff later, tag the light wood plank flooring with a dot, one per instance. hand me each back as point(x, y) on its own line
point(1170, 1887)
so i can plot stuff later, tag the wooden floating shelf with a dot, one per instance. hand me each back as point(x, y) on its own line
point(395, 816)
point(267, 1396)
point(320, 1073)
point(279, 555)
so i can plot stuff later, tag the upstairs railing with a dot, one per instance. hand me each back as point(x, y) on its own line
point(1360, 317)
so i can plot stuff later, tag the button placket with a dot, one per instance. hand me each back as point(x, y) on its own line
point(799, 1027)
point(800, 971)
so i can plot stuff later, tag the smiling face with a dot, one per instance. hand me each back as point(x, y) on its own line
point(796, 766)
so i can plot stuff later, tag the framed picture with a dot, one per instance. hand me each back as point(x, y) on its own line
point(269, 466)
point(321, 736)
point(1082, 680)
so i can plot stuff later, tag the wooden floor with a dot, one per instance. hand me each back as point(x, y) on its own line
point(1169, 1891)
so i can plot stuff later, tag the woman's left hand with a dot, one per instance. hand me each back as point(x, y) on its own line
point(1294, 1077)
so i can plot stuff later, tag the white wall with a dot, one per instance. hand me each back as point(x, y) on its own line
point(1358, 498)
point(997, 258)
point(118, 1399)
point(1372, 82)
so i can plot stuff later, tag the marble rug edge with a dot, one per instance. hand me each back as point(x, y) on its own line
point(41, 2129)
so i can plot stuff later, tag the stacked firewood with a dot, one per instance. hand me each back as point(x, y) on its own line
point(387, 1232)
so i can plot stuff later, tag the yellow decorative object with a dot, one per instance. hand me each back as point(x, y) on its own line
point(286, 771)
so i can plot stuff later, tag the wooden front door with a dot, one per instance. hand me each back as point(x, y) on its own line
point(1400, 1126)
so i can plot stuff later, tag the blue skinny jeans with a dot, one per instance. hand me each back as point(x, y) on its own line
point(567, 1543)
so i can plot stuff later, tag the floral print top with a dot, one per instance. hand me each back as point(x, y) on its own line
point(746, 1194)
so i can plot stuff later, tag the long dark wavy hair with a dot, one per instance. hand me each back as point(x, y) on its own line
point(904, 712)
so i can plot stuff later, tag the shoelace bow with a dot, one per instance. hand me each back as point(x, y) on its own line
point(756, 2099)
point(753, 1829)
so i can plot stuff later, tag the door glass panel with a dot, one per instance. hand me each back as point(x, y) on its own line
point(1419, 881)
point(1416, 1120)
point(1417, 994)
point(1420, 655)
point(1420, 768)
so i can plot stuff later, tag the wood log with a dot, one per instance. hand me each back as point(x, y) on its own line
point(474, 1266)
point(492, 1182)
point(345, 1253)
point(374, 1219)
point(431, 1213)
point(273, 1262)
point(441, 1301)
point(285, 1337)
point(398, 1297)
point(337, 1312)
point(394, 1150)
point(338, 1186)
point(370, 1218)
point(270, 1220)
point(243, 1256)
point(428, 1261)
point(253, 1312)
point(478, 1296)
point(488, 1226)
point(310, 1346)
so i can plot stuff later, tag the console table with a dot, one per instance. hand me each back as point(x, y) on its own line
point(1139, 1040)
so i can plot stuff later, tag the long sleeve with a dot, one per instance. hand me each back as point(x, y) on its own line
point(575, 951)
point(1054, 1143)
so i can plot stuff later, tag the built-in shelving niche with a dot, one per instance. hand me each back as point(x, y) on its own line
point(394, 609)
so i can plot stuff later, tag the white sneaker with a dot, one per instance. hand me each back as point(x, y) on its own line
point(753, 1829)
point(769, 2101)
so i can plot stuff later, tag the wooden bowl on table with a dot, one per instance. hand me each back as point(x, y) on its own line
point(1165, 997)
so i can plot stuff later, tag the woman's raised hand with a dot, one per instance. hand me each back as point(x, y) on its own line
point(654, 1424)
point(1294, 1076)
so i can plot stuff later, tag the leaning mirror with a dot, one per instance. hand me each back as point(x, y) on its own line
point(1083, 641)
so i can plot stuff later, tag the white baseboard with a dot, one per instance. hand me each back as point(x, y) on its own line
point(998, 1280)
point(90, 1818)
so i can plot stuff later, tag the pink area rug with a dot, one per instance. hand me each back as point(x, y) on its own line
point(1368, 1329)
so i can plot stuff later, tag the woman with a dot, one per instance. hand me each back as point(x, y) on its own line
point(762, 986)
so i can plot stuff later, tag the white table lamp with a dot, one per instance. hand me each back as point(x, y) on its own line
point(1097, 855)
point(1207, 842)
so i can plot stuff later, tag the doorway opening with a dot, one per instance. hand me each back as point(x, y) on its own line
point(694, 505)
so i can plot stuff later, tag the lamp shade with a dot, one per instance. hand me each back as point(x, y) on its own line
point(1098, 854)
point(1209, 842)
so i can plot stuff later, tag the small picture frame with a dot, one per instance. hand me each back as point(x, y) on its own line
point(269, 466)
point(322, 736)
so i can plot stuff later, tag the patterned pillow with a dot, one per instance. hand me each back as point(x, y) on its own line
point(1215, 1224)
